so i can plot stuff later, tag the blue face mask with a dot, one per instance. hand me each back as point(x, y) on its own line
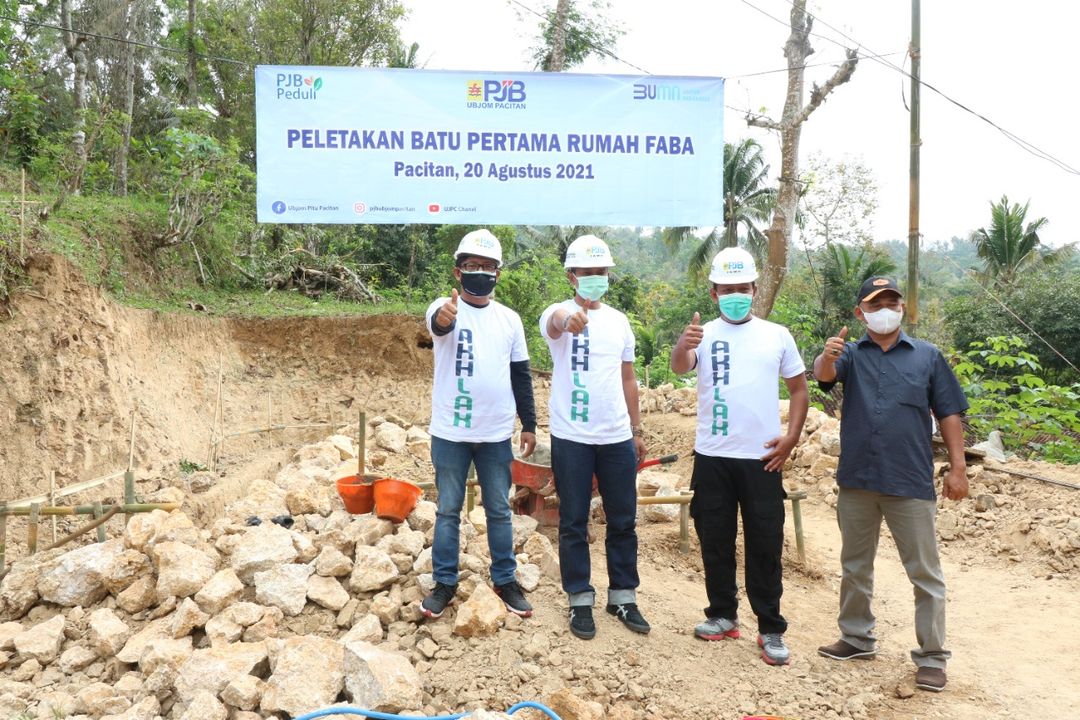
point(592, 287)
point(736, 306)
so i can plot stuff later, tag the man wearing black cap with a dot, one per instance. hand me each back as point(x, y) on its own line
point(892, 383)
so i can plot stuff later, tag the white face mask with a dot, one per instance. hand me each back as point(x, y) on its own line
point(883, 321)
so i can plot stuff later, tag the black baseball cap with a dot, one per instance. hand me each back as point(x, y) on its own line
point(873, 286)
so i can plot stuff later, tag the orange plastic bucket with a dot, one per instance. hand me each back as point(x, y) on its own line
point(395, 499)
point(357, 493)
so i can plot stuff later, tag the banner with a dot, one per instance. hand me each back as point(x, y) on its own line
point(352, 145)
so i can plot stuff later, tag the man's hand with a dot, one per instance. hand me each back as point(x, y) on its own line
point(781, 449)
point(834, 346)
point(691, 336)
point(576, 322)
point(956, 483)
point(639, 448)
point(527, 444)
point(447, 314)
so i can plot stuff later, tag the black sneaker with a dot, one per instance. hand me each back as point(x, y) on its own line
point(631, 617)
point(436, 602)
point(581, 622)
point(514, 599)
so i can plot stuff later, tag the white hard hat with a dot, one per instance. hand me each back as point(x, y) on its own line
point(733, 266)
point(588, 251)
point(481, 243)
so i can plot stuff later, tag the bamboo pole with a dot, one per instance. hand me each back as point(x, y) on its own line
point(87, 509)
point(79, 531)
point(101, 526)
point(129, 475)
point(52, 500)
point(32, 528)
point(3, 536)
point(361, 435)
point(66, 490)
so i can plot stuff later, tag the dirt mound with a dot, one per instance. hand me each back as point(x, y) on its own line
point(79, 366)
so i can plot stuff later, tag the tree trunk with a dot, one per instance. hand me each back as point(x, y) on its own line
point(192, 80)
point(557, 57)
point(130, 21)
point(797, 49)
point(73, 46)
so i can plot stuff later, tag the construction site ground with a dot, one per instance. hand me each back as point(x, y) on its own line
point(77, 366)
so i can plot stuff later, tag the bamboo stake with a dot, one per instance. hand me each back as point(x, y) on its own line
point(32, 528)
point(129, 475)
point(219, 415)
point(362, 437)
point(52, 500)
point(100, 527)
point(3, 536)
point(65, 491)
point(269, 415)
point(22, 216)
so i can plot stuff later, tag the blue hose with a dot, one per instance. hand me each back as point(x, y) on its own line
point(376, 715)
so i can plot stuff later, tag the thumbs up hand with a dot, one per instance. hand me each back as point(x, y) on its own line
point(834, 346)
point(693, 333)
point(576, 322)
point(447, 314)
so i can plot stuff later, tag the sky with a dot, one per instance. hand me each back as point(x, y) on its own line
point(1012, 63)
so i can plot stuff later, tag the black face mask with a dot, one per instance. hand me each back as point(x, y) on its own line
point(479, 283)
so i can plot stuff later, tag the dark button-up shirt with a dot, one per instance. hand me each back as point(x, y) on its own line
point(885, 423)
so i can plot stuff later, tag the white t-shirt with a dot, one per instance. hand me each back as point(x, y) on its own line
point(738, 388)
point(471, 397)
point(587, 403)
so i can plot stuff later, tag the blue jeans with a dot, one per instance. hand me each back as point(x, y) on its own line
point(615, 467)
point(492, 461)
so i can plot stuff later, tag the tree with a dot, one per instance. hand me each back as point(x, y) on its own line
point(570, 35)
point(844, 270)
point(74, 47)
point(747, 202)
point(797, 49)
point(839, 201)
point(1009, 245)
point(404, 57)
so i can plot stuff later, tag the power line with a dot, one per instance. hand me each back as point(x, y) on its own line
point(125, 41)
point(594, 46)
point(1011, 136)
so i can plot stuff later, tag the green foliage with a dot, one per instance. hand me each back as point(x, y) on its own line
point(190, 466)
point(589, 32)
point(1002, 383)
point(1049, 302)
point(1009, 245)
point(529, 288)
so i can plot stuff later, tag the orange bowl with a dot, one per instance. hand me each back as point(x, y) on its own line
point(395, 499)
point(357, 493)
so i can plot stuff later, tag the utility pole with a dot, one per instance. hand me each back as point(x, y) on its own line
point(912, 296)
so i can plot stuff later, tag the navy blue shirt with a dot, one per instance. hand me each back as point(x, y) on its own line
point(885, 423)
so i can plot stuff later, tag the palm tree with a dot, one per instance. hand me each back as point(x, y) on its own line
point(1009, 245)
point(844, 270)
point(747, 202)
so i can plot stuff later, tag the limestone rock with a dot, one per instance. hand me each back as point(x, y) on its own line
point(146, 709)
point(262, 547)
point(18, 590)
point(77, 578)
point(76, 658)
point(327, 591)
point(390, 437)
point(205, 706)
point(528, 576)
point(367, 529)
point(478, 518)
point(139, 595)
point(244, 692)
point(220, 591)
point(8, 631)
point(214, 668)
point(308, 673)
point(345, 447)
point(108, 633)
point(422, 517)
point(365, 629)
point(372, 570)
point(331, 562)
point(168, 652)
point(379, 680)
point(524, 526)
point(482, 614)
point(133, 648)
point(824, 466)
point(661, 513)
point(141, 529)
point(42, 641)
point(308, 497)
point(99, 699)
point(262, 499)
point(284, 587)
point(182, 569)
point(422, 563)
point(569, 706)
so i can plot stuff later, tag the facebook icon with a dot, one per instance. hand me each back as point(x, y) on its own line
point(278, 207)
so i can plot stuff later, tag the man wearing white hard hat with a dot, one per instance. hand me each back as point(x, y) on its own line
point(740, 450)
point(482, 383)
point(595, 430)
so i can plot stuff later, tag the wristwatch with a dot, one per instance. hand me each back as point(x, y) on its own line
point(637, 430)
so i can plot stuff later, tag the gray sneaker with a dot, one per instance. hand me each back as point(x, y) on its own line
point(773, 649)
point(717, 629)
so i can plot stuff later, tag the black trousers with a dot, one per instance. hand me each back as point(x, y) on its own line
point(723, 486)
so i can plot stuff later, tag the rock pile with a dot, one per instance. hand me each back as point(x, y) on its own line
point(243, 620)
